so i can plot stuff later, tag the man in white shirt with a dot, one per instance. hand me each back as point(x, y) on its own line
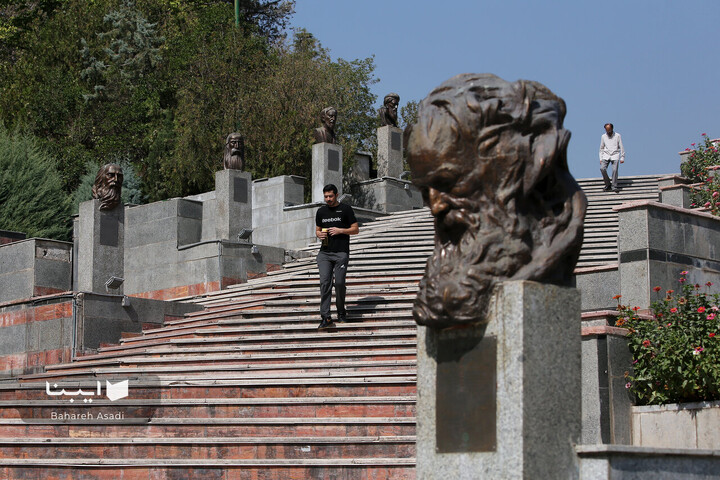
point(611, 150)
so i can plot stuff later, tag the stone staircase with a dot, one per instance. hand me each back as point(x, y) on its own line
point(601, 222)
point(248, 388)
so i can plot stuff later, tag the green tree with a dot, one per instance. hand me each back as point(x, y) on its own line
point(131, 52)
point(280, 115)
point(273, 95)
point(40, 89)
point(408, 113)
point(408, 116)
point(162, 82)
point(31, 193)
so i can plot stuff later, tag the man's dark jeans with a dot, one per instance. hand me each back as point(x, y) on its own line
point(332, 264)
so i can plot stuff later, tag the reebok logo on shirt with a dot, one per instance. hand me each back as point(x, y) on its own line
point(333, 219)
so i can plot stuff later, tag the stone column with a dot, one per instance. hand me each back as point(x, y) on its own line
point(327, 167)
point(100, 240)
point(503, 401)
point(233, 196)
point(390, 152)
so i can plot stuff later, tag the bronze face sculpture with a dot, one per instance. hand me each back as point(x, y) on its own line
point(108, 186)
point(326, 133)
point(388, 113)
point(490, 158)
point(234, 155)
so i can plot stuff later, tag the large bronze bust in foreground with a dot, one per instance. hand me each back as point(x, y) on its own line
point(490, 158)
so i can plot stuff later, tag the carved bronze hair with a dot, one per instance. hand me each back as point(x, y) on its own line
point(234, 155)
point(490, 158)
point(326, 133)
point(108, 186)
point(388, 113)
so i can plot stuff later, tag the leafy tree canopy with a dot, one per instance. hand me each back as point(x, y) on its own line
point(162, 82)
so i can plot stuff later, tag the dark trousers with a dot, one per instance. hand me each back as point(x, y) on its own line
point(332, 264)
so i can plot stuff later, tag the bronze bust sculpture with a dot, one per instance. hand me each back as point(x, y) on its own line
point(388, 113)
point(326, 133)
point(490, 158)
point(108, 186)
point(234, 155)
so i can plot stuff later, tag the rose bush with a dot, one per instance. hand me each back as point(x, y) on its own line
point(676, 355)
point(698, 169)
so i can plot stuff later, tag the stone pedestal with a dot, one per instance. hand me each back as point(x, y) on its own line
point(656, 242)
point(503, 401)
point(327, 161)
point(233, 197)
point(390, 152)
point(100, 239)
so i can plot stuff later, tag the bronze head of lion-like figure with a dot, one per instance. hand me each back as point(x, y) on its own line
point(108, 186)
point(490, 158)
point(234, 155)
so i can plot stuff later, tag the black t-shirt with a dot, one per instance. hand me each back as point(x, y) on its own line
point(341, 216)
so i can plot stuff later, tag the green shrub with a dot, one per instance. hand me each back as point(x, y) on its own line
point(32, 199)
point(676, 356)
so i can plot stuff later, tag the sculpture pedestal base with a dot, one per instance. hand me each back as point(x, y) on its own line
point(390, 152)
point(100, 245)
point(233, 197)
point(327, 167)
point(503, 401)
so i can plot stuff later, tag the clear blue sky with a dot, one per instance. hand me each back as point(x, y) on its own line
point(651, 67)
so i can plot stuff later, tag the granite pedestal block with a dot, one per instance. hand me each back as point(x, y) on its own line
point(390, 151)
point(657, 241)
point(387, 195)
point(503, 402)
point(676, 195)
point(233, 203)
point(34, 267)
point(327, 167)
point(606, 406)
point(100, 239)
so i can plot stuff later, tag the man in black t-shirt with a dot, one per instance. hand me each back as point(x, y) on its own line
point(334, 223)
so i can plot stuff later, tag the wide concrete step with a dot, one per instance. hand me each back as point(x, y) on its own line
point(230, 366)
point(355, 295)
point(247, 327)
point(224, 305)
point(129, 361)
point(390, 383)
point(278, 350)
point(250, 322)
point(330, 336)
point(188, 427)
point(276, 322)
point(356, 313)
point(228, 448)
point(211, 469)
point(275, 284)
point(150, 411)
point(371, 343)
